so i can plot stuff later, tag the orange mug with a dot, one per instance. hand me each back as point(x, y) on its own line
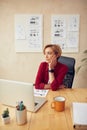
point(58, 104)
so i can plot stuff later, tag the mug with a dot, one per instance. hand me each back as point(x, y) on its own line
point(58, 104)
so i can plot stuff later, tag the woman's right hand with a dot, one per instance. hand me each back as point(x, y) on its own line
point(53, 62)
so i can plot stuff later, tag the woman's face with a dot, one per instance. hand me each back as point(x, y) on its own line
point(49, 53)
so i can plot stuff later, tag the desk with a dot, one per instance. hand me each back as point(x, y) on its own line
point(47, 118)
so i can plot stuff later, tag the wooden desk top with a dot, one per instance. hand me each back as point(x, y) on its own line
point(47, 118)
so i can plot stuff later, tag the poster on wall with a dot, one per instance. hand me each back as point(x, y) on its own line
point(28, 33)
point(65, 32)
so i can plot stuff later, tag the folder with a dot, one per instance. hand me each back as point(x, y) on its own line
point(79, 115)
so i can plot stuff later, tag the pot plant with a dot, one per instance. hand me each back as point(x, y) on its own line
point(21, 113)
point(83, 61)
point(5, 116)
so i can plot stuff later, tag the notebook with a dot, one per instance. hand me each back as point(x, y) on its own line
point(12, 92)
point(79, 115)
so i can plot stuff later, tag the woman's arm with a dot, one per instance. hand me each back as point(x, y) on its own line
point(55, 84)
point(52, 65)
point(40, 77)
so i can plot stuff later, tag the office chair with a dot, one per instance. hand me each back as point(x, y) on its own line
point(69, 77)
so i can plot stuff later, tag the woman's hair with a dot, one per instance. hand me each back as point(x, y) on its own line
point(55, 47)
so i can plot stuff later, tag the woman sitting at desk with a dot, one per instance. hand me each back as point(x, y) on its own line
point(51, 73)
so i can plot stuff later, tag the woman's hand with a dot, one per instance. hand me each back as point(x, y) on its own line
point(47, 86)
point(53, 62)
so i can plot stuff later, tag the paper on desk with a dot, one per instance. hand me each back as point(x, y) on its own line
point(80, 115)
point(40, 92)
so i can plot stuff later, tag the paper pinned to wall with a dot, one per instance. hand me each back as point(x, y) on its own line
point(73, 23)
point(20, 32)
point(65, 32)
point(28, 32)
point(72, 39)
point(58, 27)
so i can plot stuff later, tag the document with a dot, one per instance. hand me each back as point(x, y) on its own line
point(79, 115)
point(40, 92)
point(28, 32)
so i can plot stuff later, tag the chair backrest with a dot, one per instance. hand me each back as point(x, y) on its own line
point(69, 77)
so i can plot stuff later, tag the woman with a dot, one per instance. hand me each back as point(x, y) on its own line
point(51, 73)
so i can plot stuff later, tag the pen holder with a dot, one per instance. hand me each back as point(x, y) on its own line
point(21, 117)
point(21, 114)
